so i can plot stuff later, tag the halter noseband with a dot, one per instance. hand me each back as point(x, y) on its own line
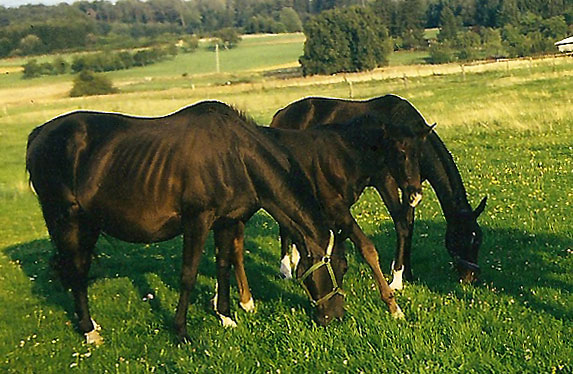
point(467, 264)
point(324, 262)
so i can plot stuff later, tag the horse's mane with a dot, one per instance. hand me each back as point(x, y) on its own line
point(447, 161)
point(244, 116)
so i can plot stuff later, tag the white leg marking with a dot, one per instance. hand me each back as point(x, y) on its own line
point(96, 326)
point(398, 314)
point(415, 199)
point(93, 337)
point(227, 321)
point(216, 297)
point(397, 283)
point(285, 267)
point(295, 258)
point(249, 306)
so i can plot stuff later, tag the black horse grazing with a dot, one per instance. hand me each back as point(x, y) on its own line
point(463, 234)
point(150, 179)
point(340, 160)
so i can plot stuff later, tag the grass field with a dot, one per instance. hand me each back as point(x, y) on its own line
point(511, 134)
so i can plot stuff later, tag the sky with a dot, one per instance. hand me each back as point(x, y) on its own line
point(17, 3)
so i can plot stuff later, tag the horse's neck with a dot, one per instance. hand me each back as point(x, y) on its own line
point(439, 168)
point(286, 195)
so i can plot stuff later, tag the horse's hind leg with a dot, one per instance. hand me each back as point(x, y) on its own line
point(74, 238)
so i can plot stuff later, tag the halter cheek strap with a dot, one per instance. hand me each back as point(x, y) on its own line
point(325, 261)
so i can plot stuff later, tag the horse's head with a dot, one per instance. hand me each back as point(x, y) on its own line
point(402, 159)
point(463, 240)
point(320, 273)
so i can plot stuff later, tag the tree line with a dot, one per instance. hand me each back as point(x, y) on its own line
point(357, 38)
point(348, 35)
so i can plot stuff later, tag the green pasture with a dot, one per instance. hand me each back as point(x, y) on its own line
point(511, 134)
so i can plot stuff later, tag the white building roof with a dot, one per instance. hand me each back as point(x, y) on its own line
point(568, 40)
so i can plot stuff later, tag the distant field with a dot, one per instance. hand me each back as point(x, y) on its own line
point(510, 132)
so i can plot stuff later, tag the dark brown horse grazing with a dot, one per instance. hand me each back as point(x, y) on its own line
point(463, 234)
point(150, 179)
point(340, 160)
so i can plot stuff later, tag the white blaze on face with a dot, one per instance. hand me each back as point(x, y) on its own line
point(397, 283)
point(415, 199)
point(295, 257)
point(33, 189)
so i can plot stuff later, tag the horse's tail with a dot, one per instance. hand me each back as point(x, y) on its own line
point(52, 158)
point(33, 135)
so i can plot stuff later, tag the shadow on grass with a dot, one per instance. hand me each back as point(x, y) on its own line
point(117, 259)
point(513, 262)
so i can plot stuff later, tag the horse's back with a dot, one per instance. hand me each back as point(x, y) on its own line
point(140, 175)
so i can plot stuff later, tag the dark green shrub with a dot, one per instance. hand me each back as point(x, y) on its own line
point(441, 53)
point(228, 36)
point(88, 83)
point(188, 43)
point(60, 66)
point(290, 19)
point(345, 40)
point(32, 69)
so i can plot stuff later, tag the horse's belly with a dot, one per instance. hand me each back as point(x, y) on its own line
point(143, 229)
point(138, 221)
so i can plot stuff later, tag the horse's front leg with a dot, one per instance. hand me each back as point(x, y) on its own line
point(245, 298)
point(403, 217)
point(289, 255)
point(195, 230)
point(370, 254)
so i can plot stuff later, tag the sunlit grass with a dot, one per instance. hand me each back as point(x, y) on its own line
point(510, 133)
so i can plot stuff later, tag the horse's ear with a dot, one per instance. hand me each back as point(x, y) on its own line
point(424, 133)
point(480, 207)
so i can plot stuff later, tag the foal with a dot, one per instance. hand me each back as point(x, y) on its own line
point(340, 160)
point(463, 234)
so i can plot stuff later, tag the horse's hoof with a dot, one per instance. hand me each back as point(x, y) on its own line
point(227, 321)
point(398, 314)
point(93, 337)
point(249, 306)
point(184, 338)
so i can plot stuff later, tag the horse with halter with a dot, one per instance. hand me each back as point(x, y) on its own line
point(463, 233)
point(149, 179)
point(340, 160)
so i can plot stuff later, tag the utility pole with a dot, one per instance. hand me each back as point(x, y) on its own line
point(217, 65)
